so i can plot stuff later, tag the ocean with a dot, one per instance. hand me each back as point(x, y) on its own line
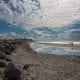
point(51, 49)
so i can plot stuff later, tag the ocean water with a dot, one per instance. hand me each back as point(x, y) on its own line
point(44, 49)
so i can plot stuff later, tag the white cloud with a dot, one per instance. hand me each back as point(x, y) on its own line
point(70, 35)
point(9, 35)
point(37, 13)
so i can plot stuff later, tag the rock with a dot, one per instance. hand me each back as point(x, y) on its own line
point(7, 52)
point(26, 66)
point(12, 45)
point(2, 48)
point(2, 55)
point(6, 46)
point(11, 72)
point(2, 64)
point(8, 59)
point(12, 49)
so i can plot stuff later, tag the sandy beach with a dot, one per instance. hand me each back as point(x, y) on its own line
point(36, 66)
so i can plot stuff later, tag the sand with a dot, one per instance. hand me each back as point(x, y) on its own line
point(45, 66)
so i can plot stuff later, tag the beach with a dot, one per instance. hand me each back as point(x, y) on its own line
point(36, 66)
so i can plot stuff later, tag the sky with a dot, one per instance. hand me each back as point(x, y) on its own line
point(45, 18)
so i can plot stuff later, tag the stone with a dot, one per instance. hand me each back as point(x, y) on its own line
point(2, 64)
point(26, 66)
point(7, 52)
point(11, 72)
point(2, 55)
point(8, 59)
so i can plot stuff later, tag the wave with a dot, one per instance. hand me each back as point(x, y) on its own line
point(49, 49)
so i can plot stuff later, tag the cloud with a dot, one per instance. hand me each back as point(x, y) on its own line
point(39, 13)
point(70, 35)
point(9, 35)
point(74, 34)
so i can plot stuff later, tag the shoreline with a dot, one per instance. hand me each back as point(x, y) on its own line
point(35, 66)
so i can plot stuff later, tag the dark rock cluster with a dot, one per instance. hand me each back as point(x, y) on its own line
point(6, 48)
point(7, 69)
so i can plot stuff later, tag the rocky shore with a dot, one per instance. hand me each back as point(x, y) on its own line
point(18, 61)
